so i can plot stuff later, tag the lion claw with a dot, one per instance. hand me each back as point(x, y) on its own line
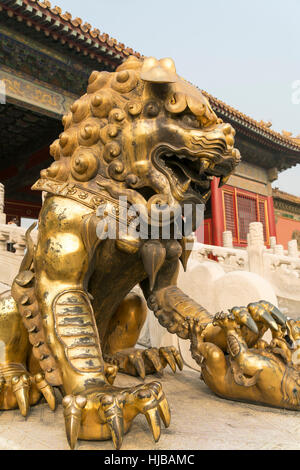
point(257, 317)
point(154, 358)
point(278, 316)
point(243, 318)
point(20, 388)
point(140, 362)
point(73, 406)
point(46, 390)
point(172, 357)
point(153, 404)
point(113, 413)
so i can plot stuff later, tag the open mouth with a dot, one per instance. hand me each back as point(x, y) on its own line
point(289, 341)
point(188, 173)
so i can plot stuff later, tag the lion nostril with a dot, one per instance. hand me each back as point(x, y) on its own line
point(227, 129)
point(229, 140)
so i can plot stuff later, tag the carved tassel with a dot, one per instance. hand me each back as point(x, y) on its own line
point(187, 248)
point(153, 256)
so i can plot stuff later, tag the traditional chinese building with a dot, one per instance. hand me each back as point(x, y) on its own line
point(287, 217)
point(46, 58)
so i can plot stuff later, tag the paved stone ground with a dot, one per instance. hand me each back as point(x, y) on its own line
point(200, 420)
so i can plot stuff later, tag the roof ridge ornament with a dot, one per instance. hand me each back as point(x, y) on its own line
point(297, 139)
point(159, 71)
point(265, 124)
point(286, 134)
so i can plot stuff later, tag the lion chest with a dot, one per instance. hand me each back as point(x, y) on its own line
point(114, 275)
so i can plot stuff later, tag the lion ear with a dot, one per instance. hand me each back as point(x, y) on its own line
point(163, 71)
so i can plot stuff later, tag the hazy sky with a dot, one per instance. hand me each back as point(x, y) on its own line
point(247, 53)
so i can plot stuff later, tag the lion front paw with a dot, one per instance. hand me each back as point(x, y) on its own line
point(18, 389)
point(107, 412)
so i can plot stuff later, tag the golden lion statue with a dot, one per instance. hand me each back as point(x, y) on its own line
point(145, 137)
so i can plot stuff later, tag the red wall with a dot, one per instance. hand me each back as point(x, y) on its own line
point(204, 232)
point(284, 229)
point(17, 209)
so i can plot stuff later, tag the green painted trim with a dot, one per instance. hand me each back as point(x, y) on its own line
point(35, 96)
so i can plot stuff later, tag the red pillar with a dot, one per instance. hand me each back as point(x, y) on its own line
point(217, 213)
point(271, 217)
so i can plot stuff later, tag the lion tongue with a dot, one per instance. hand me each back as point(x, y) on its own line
point(188, 172)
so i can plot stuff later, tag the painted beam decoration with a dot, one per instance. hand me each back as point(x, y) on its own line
point(34, 95)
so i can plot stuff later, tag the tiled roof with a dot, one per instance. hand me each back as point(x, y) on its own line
point(98, 45)
point(278, 194)
point(284, 139)
point(62, 27)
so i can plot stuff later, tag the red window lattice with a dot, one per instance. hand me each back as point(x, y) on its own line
point(241, 208)
point(247, 213)
point(262, 218)
point(229, 204)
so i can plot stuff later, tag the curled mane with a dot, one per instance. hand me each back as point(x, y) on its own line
point(91, 141)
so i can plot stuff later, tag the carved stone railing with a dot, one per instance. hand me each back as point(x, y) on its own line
point(14, 237)
point(11, 236)
point(230, 258)
point(279, 267)
point(10, 261)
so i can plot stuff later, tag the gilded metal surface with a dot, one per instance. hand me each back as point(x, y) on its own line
point(144, 133)
point(246, 367)
point(34, 94)
point(17, 386)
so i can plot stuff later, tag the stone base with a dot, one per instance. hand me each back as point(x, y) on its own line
point(200, 421)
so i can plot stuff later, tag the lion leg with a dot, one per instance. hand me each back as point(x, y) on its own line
point(170, 305)
point(123, 333)
point(93, 408)
point(18, 388)
point(61, 266)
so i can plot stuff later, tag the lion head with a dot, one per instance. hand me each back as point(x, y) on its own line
point(146, 133)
